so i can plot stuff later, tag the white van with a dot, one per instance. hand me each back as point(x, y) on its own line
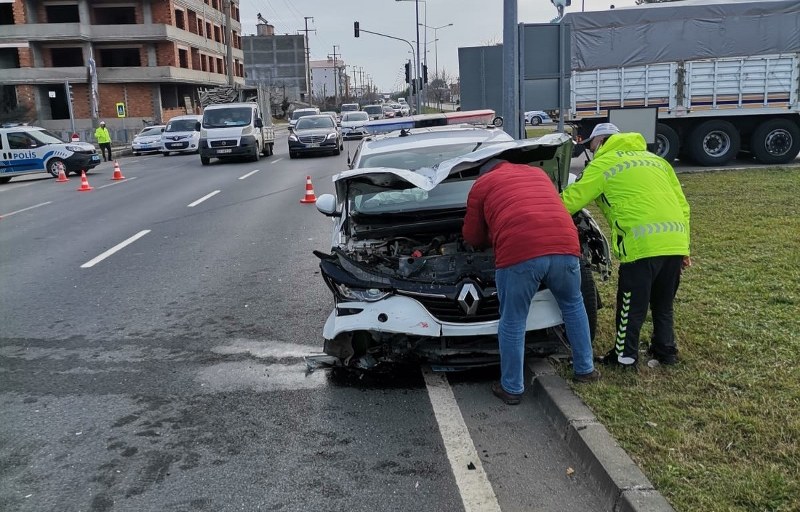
point(181, 135)
point(230, 130)
point(29, 149)
point(302, 112)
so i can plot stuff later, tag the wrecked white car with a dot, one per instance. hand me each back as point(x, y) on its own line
point(404, 283)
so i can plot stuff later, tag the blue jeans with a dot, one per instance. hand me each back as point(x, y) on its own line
point(516, 286)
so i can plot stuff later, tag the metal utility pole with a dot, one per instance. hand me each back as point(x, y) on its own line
point(335, 77)
point(511, 112)
point(229, 41)
point(308, 57)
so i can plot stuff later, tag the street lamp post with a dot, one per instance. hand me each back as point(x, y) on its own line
point(418, 64)
point(435, 44)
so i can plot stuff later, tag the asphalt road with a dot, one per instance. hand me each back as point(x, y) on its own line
point(151, 360)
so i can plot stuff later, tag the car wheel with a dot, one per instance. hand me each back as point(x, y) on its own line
point(165, 153)
point(205, 160)
point(53, 166)
point(292, 155)
point(337, 151)
point(536, 121)
point(667, 142)
point(590, 301)
point(776, 141)
point(136, 154)
point(714, 142)
point(4, 180)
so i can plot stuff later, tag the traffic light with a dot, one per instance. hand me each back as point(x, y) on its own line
point(355, 28)
point(408, 72)
point(425, 73)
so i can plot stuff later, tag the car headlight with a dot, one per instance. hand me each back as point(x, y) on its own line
point(74, 149)
point(293, 138)
point(332, 135)
point(361, 294)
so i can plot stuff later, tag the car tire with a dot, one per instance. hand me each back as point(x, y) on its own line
point(714, 142)
point(52, 167)
point(337, 151)
point(776, 141)
point(136, 154)
point(292, 155)
point(256, 155)
point(205, 160)
point(4, 179)
point(536, 121)
point(667, 142)
point(590, 297)
point(166, 153)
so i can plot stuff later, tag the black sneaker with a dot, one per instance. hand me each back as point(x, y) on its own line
point(665, 359)
point(612, 359)
point(505, 396)
point(587, 377)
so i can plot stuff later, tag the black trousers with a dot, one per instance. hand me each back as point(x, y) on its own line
point(105, 146)
point(647, 282)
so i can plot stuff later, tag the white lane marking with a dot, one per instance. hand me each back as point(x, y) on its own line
point(25, 209)
point(212, 194)
point(278, 159)
point(114, 249)
point(249, 174)
point(116, 182)
point(476, 491)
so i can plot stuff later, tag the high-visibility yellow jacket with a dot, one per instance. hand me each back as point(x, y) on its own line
point(102, 135)
point(639, 195)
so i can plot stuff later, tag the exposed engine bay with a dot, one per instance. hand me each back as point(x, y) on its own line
point(425, 258)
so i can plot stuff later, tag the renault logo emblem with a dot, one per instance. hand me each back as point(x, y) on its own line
point(468, 299)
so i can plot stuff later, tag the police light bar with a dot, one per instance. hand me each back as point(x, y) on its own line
point(480, 117)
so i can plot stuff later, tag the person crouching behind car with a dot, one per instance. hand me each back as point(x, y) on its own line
point(642, 200)
point(516, 209)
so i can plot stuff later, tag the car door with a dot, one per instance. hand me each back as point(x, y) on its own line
point(25, 152)
point(5, 158)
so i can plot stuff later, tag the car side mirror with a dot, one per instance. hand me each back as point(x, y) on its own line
point(326, 204)
point(259, 123)
point(197, 126)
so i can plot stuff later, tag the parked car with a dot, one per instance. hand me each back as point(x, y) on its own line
point(374, 111)
point(148, 140)
point(302, 112)
point(30, 149)
point(181, 135)
point(315, 134)
point(405, 284)
point(353, 125)
point(537, 117)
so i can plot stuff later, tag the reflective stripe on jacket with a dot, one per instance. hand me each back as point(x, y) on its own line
point(102, 135)
point(640, 197)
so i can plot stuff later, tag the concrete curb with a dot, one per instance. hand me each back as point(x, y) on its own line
point(622, 485)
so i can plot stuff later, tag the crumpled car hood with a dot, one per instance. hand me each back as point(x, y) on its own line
point(427, 178)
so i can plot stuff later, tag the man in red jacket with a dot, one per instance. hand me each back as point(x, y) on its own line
point(515, 209)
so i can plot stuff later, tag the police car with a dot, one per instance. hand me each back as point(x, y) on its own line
point(405, 285)
point(29, 149)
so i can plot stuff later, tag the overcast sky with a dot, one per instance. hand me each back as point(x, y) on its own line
point(475, 23)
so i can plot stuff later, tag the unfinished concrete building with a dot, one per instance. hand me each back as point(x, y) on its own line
point(151, 55)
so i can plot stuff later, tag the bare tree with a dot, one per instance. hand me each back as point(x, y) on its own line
point(439, 88)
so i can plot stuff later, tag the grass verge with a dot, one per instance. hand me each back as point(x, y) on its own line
point(721, 430)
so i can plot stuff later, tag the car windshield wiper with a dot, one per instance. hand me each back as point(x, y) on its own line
point(476, 146)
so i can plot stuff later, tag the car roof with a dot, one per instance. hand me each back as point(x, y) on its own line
point(224, 105)
point(23, 128)
point(190, 116)
point(317, 116)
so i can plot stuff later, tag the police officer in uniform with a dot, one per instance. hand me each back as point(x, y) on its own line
point(104, 140)
point(643, 202)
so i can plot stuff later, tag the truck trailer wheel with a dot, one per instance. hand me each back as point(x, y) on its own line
point(776, 141)
point(714, 142)
point(667, 142)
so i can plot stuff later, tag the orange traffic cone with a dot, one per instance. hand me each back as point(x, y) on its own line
point(62, 174)
point(117, 172)
point(84, 183)
point(310, 197)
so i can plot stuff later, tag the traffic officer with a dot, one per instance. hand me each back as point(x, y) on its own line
point(643, 202)
point(104, 139)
